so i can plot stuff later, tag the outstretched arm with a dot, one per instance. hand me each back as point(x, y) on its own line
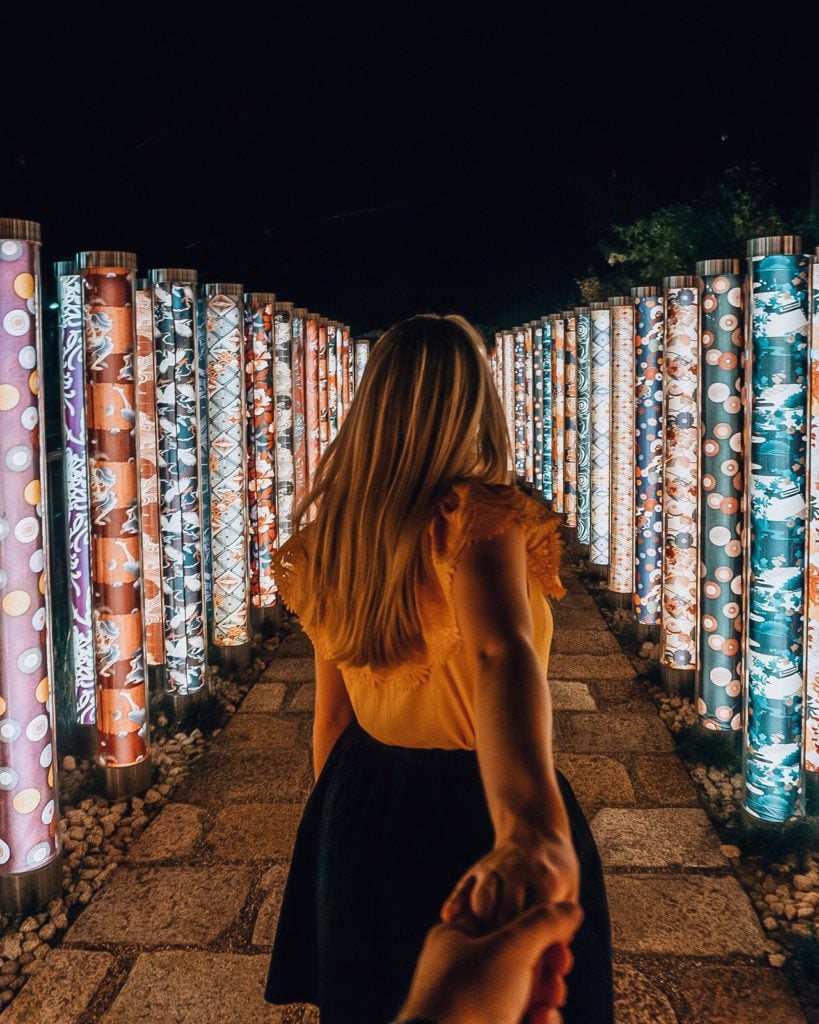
point(533, 856)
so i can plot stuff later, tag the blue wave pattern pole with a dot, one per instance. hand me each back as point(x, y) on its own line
point(776, 534)
point(583, 330)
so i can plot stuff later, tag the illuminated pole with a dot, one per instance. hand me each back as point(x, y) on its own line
point(509, 388)
point(520, 403)
point(283, 376)
point(324, 384)
point(722, 364)
point(648, 457)
point(204, 452)
point(546, 355)
point(311, 392)
point(528, 403)
point(227, 431)
point(583, 331)
point(346, 377)
point(152, 601)
point(30, 864)
point(77, 497)
point(261, 449)
point(362, 354)
point(300, 475)
point(570, 421)
point(680, 487)
point(558, 410)
point(109, 330)
point(600, 442)
point(178, 402)
point(537, 406)
point(621, 556)
point(333, 334)
point(812, 604)
point(775, 532)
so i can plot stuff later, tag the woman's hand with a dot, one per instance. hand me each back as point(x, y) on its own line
point(523, 869)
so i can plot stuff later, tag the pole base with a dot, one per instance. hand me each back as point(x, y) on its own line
point(643, 632)
point(231, 659)
point(128, 780)
point(27, 892)
point(583, 551)
point(157, 678)
point(750, 819)
point(569, 535)
point(618, 600)
point(598, 572)
point(678, 682)
point(267, 620)
point(811, 793)
point(84, 740)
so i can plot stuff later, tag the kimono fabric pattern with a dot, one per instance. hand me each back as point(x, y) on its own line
point(398, 812)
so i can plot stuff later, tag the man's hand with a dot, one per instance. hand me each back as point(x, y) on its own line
point(493, 979)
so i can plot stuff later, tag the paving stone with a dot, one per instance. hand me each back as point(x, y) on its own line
point(172, 834)
point(656, 837)
point(255, 735)
point(232, 776)
point(289, 670)
point(305, 698)
point(597, 781)
point(174, 987)
point(273, 882)
point(250, 832)
point(623, 692)
point(61, 990)
point(297, 645)
point(264, 699)
point(610, 733)
point(637, 1000)
point(732, 995)
point(574, 618)
point(663, 780)
point(571, 696)
point(164, 906)
point(682, 915)
point(590, 666)
point(581, 641)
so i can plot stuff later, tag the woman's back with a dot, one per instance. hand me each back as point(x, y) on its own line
point(428, 701)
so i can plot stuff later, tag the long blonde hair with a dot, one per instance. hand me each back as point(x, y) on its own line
point(425, 415)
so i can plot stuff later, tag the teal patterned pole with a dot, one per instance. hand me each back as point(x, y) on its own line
point(583, 321)
point(721, 595)
point(680, 486)
point(621, 548)
point(812, 609)
point(775, 528)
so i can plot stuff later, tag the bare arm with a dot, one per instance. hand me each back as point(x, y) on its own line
point(334, 712)
point(513, 709)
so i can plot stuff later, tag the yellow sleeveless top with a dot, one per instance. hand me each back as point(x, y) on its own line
point(430, 703)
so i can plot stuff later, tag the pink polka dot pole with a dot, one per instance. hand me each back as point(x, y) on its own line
point(29, 838)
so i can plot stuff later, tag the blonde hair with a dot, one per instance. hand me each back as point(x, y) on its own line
point(425, 415)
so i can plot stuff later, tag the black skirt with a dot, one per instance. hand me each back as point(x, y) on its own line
point(386, 834)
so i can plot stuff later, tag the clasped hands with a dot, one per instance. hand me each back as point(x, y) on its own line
point(502, 953)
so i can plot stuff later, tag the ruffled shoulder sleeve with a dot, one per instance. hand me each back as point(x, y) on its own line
point(290, 568)
point(475, 511)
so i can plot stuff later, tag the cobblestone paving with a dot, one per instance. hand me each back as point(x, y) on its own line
point(181, 932)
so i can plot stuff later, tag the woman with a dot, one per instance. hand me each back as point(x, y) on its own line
point(423, 581)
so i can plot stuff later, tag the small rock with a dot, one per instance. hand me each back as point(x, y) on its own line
point(69, 763)
point(48, 931)
point(790, 911)
point(769, 923)
point(29, 925)
point(29, 945)
point(804, 912)
point(153, 796)
point(6, 995)
point(10, 946)
point(802, 883)
point(729, 851)
point(776, 959)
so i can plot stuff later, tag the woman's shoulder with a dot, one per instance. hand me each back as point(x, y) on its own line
point(474, 510)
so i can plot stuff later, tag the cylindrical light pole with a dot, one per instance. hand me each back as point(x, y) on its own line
point(776, 450)
point(570, 423)
point(722, 376)
point(30, 868)
point(583, 332)
point(600, 472)
point(546, 326)
point(621, 556)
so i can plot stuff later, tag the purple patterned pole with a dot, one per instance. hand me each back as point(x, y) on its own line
point(30, 869)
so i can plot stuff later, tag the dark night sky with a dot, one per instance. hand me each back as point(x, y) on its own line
point(369, 167)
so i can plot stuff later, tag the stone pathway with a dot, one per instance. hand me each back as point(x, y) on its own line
point(181, 932)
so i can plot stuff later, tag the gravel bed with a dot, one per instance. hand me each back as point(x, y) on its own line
point(96, 832)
